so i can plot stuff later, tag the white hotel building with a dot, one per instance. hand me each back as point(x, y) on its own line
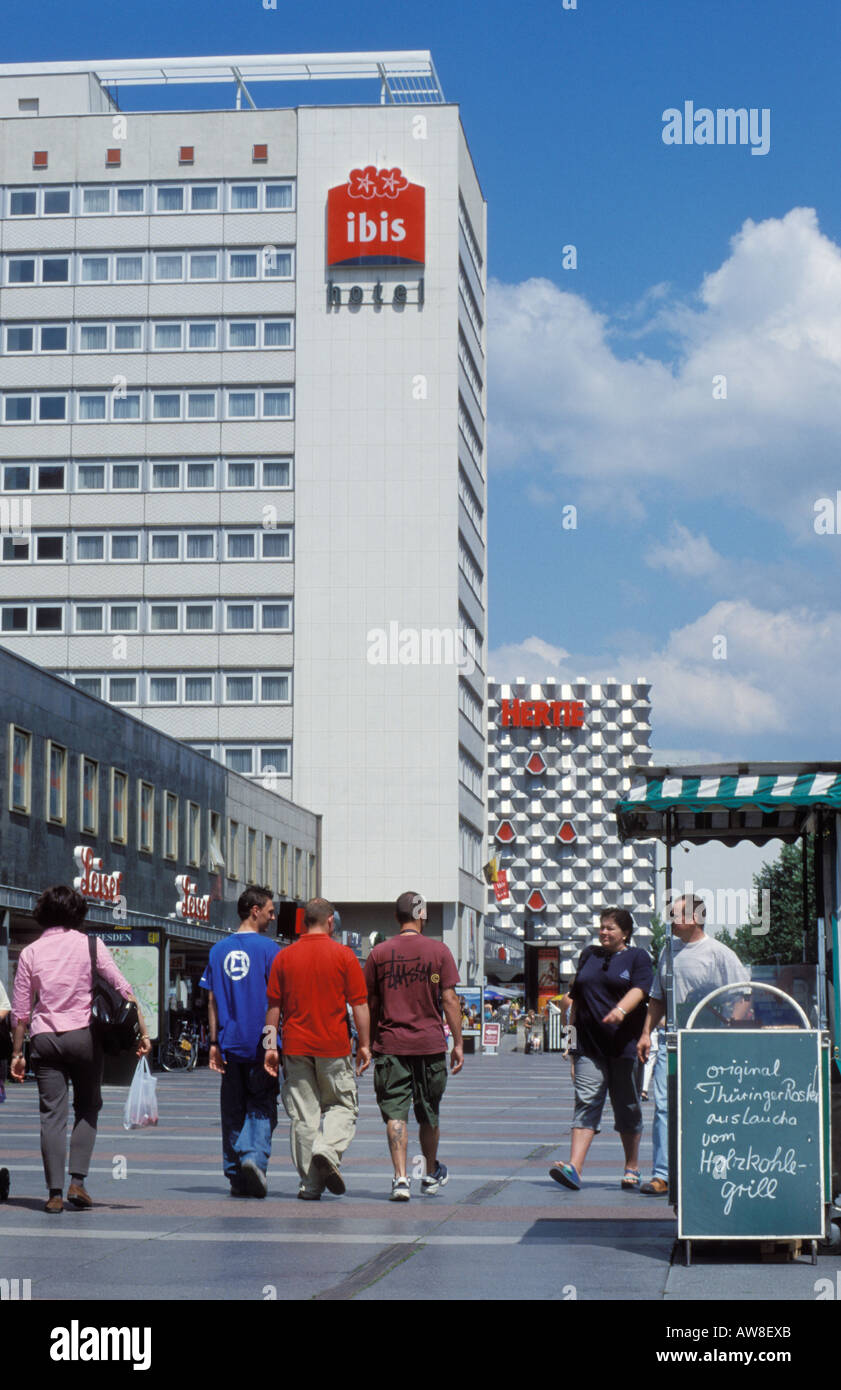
point(231, 456)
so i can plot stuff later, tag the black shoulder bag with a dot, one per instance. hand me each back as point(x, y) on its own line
point(114, 1020)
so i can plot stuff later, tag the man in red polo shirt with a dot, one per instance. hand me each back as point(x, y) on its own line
point(310, 986)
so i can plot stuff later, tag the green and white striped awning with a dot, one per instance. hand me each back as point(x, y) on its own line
point(727, 802)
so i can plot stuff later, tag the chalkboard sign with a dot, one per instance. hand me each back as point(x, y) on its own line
point(750, 1135)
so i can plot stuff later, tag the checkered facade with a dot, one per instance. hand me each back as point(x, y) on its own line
point(551, 798)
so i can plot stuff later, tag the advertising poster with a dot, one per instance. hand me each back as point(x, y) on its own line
point(471, 1000)
point(548, 974)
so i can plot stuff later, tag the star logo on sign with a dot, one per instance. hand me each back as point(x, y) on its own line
point(237, 965)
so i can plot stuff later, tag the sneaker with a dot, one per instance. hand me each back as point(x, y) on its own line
point(328, 1174)
point(237, 1191)
point(658, 1187)
point(565, 1174)
point(432, 1181)
point(306, 1194)
point(5, 1184)
point(400, 1190)
point(253, 1178)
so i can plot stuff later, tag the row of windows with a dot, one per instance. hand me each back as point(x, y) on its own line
point(469, 849)
point(195, 688)
point(471, 502)
point(158, 818)
point(472, 439)
point(151, 475)
point(102, 200)
point(152, 267)
point(469, 299)
point(268, 762)
point(146, 547)
point(470, 236)
point(469, 705)
point(119, 404)
point(165, 335)
point(473, 641)
point(471, 371)
point(470, 773)
point(140, 617)
point(469, 568)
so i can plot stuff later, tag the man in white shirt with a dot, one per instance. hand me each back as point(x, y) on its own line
point(700, 965)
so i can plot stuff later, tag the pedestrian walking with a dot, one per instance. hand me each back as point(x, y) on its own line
point(311, 984)
point(410, 981)
point(5, 1054)
point(608, 998)
point(237, 975)
point(53, 994)
point(700, 965)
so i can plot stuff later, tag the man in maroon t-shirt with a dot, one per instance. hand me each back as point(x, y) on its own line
point(410, 980)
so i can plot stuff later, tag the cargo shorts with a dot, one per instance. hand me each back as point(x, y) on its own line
point(400, 1080)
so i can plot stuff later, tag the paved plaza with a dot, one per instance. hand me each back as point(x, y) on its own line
point(500, 1229)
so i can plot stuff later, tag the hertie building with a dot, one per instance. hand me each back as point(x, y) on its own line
point(559, 759)
point(242, 395)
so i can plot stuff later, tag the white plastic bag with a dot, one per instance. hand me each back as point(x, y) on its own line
point(142, 1100)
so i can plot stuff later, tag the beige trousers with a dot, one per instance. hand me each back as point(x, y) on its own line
point(316, 1088)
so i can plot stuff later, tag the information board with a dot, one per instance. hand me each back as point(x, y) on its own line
point(750, 1135)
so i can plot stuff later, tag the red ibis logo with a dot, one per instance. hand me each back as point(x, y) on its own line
point(377, 218)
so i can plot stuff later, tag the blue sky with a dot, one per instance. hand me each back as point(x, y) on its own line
point(695, 515)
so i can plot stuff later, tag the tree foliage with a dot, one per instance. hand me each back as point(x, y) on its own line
point(782, 880)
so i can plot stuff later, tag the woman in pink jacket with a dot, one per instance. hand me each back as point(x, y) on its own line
point(53, 990)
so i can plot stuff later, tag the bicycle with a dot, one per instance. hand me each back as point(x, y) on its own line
point(181, 1053)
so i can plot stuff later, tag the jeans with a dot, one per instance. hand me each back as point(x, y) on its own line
point(660, 1128)
point(248, 1101)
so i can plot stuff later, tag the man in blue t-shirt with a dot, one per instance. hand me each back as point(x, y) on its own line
point(236, 976)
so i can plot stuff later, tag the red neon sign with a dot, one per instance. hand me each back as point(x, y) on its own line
point(377, 218)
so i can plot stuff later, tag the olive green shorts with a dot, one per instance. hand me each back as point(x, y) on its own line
point(401, 1080)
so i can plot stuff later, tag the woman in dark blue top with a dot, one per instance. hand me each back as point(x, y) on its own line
point(608, 994)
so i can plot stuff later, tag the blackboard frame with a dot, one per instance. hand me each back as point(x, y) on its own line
point(694, 1040)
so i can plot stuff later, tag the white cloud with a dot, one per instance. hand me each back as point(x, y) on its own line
point(778, 664)
point(684, 554)
point(768, 319)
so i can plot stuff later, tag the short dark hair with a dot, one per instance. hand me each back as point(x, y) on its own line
point(698, 904)
point(252, 897)
point(60, 906)
point(317, 911)
point(622, 918)
point(406, 905)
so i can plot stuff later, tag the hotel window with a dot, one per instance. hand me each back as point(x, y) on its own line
point(200, 474)
point(240, 760)
point(163, 690)
point(201, 405)
point(166, 475)
point(122, 690)
point(277, 334)
point(20, 339)
point(239, 617)
point(251, 862)
point(165, 545)
point(15, 620)
point(54, 337)
point(124, 547)
point(22, 202)
point(284, 869)
point(274, 761)
point(240, 545)
point(311, 887)
point(128, 337)
point(198, 690)
point(20, 770)
point(123, 617)
point(167, 336)
point(90, 547)
point(239, 689)
point(242, 334)
point(279, 196)
point(198, 617)
point(201, 335)
point(119, 806)
point(299, 874)
point(94, 270)
point(90, 477)
point(204, 265)
point(243, 197)
point(277, 545)
point(277, 405)
point(199, 545)
point(89, 685)
point(89, 787)
point(169, 198)
point(163, 617)
point(14, 549)
point(166, 405)
point(50, 477)
point(240, 474)
point(56, 202)
point(242, 405)
point(170, 826)
point(204, 198)
point(146, 818)
point(93, 337)
point(276, 617)
point(55, 270)
point(91, 407)
point(89, 618)
point(125, 477)
point(233, 849)
point(277, 473)
point(274, 689)
point(128, 268)
point(17, 477)
point(242, 265)
point(49, 619)
point(169, 266)
point(193, 834)
point(96, 200)
point(268, 863)
point(130, 199)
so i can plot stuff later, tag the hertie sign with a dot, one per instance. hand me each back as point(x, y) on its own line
point(377, 218)
point(192, 908)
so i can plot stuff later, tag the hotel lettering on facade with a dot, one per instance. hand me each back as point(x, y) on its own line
point(559, 757)
point(243, 431)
